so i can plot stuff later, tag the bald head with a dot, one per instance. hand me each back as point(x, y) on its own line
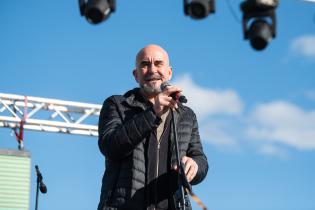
point(152, 68)
point(149, 50)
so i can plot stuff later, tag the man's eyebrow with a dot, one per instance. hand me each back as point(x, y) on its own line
point(144, 62)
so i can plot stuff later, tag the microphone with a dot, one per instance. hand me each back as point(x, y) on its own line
point(176, 95)
point(42, 186)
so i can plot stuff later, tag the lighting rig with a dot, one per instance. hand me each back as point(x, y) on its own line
point(259, 22)
point(199, 9)
point(96, 11)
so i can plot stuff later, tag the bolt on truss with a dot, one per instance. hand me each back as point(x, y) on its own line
point(49, 115)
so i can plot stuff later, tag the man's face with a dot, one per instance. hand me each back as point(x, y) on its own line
point(152, 68)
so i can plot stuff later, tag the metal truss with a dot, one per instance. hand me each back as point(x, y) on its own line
point(49, 115)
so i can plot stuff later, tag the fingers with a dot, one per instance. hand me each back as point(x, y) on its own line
point(191, 173)
point(168, 101)
point(191, 167)
point(172, 103)
point(184, 161)
point(171, 89)
point(163, 102)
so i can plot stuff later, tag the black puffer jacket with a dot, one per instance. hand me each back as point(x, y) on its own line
point(125, 123)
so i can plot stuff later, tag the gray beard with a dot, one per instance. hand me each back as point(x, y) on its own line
point(150, 90)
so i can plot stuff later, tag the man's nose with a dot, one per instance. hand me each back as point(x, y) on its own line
point(152, 68)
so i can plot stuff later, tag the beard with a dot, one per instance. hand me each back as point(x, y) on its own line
point(150, 90)
point(152, 87)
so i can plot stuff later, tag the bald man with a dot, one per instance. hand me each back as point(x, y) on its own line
point(135, 136)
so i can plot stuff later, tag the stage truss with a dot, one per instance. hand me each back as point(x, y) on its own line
point(48, 115)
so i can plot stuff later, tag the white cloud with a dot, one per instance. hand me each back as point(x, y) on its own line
point(275, 124)
point(213, 108)
point(272, 150)
point(304, 45)
point(206, 101)
point(284, 123)
point(217, 133)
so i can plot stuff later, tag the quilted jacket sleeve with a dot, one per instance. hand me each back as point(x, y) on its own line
point(117, 139)
point(195, 151)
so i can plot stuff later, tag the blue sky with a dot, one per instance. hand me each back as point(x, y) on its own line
point(255, 109)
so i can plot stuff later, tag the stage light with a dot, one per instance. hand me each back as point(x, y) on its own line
point(96, 11)
point(199, 9)
point(260, 15)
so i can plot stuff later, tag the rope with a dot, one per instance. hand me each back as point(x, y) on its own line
point(19, 133)
point(196, 199)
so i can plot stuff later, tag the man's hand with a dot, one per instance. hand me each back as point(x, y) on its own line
point(163, 100)
point(191, 167)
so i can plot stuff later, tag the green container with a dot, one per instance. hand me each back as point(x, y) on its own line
point(15, 176)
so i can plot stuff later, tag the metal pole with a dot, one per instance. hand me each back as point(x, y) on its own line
point(37, 189)
point(180, 194)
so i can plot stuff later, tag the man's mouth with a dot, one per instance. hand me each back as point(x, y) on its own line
point(151, 79)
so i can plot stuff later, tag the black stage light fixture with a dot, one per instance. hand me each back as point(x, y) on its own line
point(199, 9)
point(260, 15)
point(96, 11)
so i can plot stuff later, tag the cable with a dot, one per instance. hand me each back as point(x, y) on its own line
point(232, 11)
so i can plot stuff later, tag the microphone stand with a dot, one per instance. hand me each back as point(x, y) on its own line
point(40, 185)
point(181, 197)
point(37, 189)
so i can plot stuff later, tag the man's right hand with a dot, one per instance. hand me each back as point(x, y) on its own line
point(163, 101)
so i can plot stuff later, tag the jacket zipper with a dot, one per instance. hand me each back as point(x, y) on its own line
point(157, 165)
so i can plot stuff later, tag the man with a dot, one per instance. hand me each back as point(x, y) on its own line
point(135, 136)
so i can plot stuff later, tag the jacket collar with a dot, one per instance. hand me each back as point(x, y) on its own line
point(134, 98)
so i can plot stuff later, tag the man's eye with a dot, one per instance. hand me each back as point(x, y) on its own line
point(159, 64)
point(145, 64)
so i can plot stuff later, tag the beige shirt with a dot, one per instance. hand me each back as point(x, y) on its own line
point(160, 129)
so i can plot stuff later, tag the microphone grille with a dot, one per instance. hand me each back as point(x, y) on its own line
point(43, 188)
point(164, 85)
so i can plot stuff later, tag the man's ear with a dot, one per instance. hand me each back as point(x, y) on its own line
point(135, 75)
point(170, 73)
